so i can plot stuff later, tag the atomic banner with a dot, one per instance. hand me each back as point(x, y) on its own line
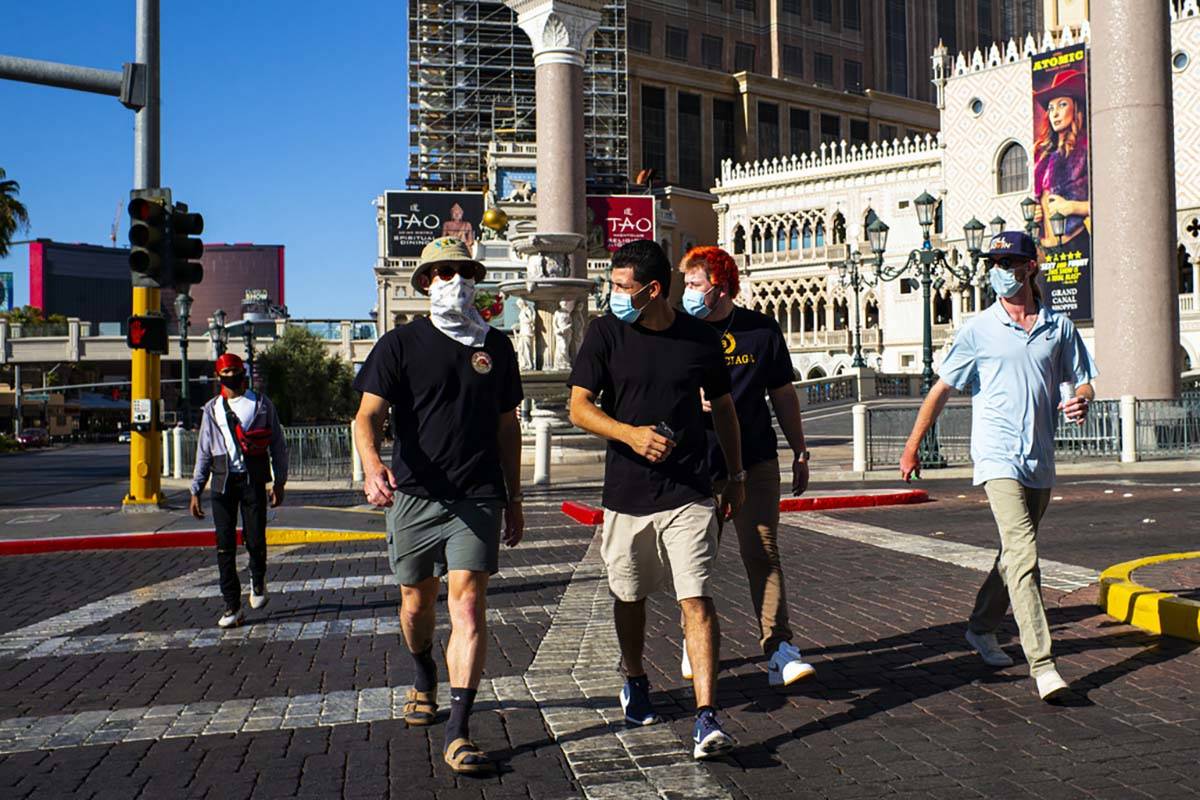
point(1062, 179)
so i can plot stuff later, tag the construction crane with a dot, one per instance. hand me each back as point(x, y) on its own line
point(112, 235)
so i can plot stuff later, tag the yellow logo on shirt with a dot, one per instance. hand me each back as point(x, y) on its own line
point(728, 343)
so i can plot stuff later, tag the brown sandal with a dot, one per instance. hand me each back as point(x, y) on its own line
point(420, 708)
point(466, 759)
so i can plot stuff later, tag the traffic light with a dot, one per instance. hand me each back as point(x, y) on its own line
point(147, 332)
point(182, 226)
point(147, 239)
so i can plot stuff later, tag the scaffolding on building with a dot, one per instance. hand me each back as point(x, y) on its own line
point(471, 81)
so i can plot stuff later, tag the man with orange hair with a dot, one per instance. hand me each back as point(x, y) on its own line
point(757, 357)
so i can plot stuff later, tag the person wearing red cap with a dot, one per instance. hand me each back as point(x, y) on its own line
point(240, 445)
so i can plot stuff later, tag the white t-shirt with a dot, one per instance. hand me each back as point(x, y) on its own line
point(243, 407)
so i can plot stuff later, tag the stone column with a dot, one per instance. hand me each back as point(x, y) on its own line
point(560, 31)
point(1133, 189)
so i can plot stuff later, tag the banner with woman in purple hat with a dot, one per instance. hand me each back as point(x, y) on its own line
point(1061, 179)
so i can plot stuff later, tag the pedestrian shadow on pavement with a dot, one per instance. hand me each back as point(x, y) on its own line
point(882, 675)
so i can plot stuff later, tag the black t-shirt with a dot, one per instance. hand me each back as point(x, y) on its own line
point(446, 403)
point(645, 377)
point(758, 361)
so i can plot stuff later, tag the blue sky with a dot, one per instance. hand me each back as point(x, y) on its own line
point(281, 123)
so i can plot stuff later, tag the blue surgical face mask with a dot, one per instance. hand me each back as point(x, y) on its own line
point(621, 305)
point(693, 302)
point(1003, 282)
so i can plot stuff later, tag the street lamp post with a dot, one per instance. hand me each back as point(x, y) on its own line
point(852, 274)
point(1028, 209)
point(929, 261)
point(217, 333)
point(183, 310)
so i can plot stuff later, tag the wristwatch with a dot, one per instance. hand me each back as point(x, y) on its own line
point(738, 477)
point(804, 455)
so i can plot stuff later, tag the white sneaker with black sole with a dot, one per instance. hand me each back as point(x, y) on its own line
point(787, 666)
point(231, 618)
point(988, 648)
point(258, 599)
point(1051, 686)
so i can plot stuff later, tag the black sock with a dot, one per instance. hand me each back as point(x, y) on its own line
point(458, 725)
point(640, 682)
point(426, 679)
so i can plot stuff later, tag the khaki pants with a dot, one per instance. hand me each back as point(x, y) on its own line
point(757, 526)
point(641, 552)
point(1015, 577)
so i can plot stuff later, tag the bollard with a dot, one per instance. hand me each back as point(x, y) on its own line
point(541, 452)
point(1129, 450)
point(166, 456)
point(356, 467)
point(859, 414)
point(177, 444)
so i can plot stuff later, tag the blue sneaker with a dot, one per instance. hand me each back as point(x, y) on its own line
point(708, 738)
point(635, 702)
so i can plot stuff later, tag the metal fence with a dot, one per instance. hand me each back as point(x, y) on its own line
point(1098, 437)
point(828, 390)
point(315, 452)
point(1168, 428)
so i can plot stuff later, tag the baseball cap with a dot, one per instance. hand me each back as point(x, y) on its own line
point(1013, 244)
point(440, 251)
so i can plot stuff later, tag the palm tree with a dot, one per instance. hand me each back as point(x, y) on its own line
point(13, 215)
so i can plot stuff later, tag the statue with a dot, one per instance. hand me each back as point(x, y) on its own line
point(564, 334)
point(521, 192)
point(526, 335)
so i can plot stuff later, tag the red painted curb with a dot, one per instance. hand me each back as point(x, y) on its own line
point(585, 514)
point(831, 502)
point(118, 541)
point(589, 515)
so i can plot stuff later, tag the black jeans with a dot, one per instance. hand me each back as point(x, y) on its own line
point(252, 498)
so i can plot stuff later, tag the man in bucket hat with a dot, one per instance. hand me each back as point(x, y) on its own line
point(240, 444)
point(453, 491)
point(1021, 362)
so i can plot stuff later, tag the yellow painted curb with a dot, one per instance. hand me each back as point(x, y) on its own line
point(1147, 608)
point(281, 536)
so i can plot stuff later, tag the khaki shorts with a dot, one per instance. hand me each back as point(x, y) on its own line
point(641, 551)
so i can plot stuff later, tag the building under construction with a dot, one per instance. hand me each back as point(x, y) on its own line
point(471, 81)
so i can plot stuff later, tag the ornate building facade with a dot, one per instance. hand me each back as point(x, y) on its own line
point(792, 221)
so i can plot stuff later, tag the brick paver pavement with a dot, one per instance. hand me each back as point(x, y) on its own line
point(114, 681)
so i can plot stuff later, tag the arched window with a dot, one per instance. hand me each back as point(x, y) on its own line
point(768, 241)
point(839, 228)
point(820, 234)
point(739, 240)
point(1013, 173)
point(755, 242)
point(781, 239)
point(794, 243)
point(807, 236)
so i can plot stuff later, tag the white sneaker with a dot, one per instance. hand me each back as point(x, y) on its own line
point(685, 666)
point(257, 600)
point(786, 666)
point(231, 618)
point(1051, 685)
point(988, 648)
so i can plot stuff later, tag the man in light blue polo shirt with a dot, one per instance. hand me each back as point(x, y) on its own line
point(1012, 358)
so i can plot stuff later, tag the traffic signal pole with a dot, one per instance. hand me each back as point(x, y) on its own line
point(145, 456)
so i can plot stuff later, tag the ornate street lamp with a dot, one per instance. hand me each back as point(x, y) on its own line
point(973, 233)
point(997, 225)
point(183, 311)
point(928, 261)
point(217, 333)
point(1028, 209)
point(851, 273)
point(1058, 226)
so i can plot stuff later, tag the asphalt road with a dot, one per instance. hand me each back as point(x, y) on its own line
point(65, 475)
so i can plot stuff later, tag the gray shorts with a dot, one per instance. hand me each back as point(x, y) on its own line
point(428, 538)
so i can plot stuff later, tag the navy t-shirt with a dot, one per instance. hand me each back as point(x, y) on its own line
point(757, 357)
point(446, 402)
point(644, 377)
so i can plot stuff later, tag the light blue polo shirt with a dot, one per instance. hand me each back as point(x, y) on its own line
point(1013, 379)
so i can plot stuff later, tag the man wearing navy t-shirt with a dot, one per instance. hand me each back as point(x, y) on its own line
point(647, 364)
point(453, 491)
point(759, 367)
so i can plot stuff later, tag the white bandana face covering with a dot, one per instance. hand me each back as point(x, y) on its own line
point(452, 311)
